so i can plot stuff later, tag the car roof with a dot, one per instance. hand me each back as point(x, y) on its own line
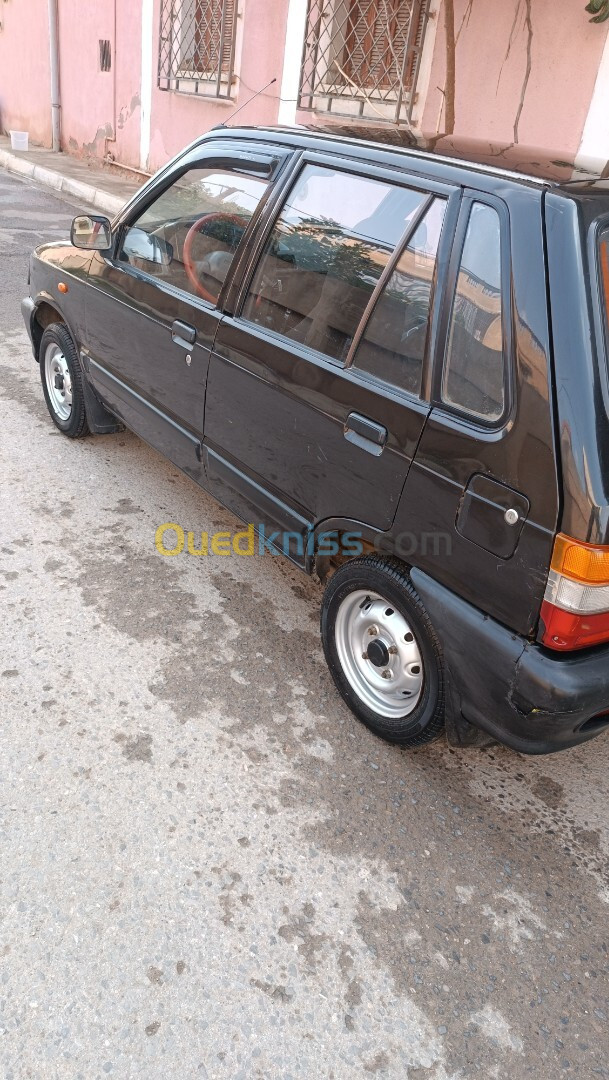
point(526, 164)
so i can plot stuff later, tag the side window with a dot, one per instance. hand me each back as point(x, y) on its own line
point(604, 260)
point(188, 236)
point(332, 240)
point(474, 373)
point(393, 344)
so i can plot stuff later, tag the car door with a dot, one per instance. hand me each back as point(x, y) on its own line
point(299, 428)
point(480, 504)
point(152, 310)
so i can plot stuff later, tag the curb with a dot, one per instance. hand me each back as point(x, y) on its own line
point(56, 181)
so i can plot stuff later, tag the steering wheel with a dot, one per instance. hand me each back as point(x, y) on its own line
point(189, 263)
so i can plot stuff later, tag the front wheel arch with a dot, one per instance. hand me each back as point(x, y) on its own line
point(45, 315)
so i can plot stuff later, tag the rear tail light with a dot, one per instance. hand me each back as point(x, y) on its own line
point(575, 610)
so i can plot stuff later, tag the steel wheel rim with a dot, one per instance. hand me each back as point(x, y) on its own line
point(389, 679)
point(58, 381)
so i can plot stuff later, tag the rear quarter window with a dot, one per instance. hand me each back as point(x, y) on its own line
point(474, 373)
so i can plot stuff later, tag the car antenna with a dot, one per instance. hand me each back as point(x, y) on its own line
point(234, 113)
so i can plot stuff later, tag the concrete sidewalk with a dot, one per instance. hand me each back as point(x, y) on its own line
point(96, 185)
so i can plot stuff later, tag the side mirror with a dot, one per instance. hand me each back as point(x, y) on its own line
point(139, 244)
point(91, 233)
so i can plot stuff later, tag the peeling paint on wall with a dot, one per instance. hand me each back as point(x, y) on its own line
point(127, 111)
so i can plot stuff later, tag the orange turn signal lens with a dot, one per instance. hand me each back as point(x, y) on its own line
point(581, 562)
point(62, 287)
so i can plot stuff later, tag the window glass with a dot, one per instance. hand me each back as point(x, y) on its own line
point(474, 371)
point(604, 259)
point(393, 345)
point(189, 235)
point(325, 255)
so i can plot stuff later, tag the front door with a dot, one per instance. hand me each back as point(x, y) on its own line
point(151, 314)
point(314, 409)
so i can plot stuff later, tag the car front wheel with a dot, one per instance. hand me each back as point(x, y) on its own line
point(382, 651)
point(62, 381)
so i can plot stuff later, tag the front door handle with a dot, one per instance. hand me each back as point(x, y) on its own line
point(365, 433)
point(183, 334)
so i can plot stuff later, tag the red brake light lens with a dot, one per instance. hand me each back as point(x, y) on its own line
point(564, 631)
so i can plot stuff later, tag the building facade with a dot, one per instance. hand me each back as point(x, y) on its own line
point(141, 78)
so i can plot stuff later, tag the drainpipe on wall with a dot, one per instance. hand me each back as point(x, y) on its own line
point(108, 155)
point(55, 95)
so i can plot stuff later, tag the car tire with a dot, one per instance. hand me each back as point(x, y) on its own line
point(382, 651)
point(61, 377)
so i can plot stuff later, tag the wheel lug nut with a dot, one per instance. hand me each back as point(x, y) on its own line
point(364, 656)
point(373, 631)
point(386, 673)
point(393, 650)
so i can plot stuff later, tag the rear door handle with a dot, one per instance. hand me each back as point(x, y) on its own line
point(183, 334)
point(365, 433)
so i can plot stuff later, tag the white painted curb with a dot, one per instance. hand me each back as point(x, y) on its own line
point(50, 178)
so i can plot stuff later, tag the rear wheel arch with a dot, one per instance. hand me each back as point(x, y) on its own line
point(340, 540)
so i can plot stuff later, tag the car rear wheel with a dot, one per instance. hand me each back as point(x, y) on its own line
point(382, 651)
point(62, 381)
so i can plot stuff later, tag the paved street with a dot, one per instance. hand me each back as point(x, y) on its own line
point(208, 868)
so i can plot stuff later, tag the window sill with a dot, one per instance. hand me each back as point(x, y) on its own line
point(198, 96)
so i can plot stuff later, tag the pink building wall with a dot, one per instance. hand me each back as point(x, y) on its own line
point(96, 106)
point(177, 118)
point(101, 112)
point(492, 53)
point(25, 80)
point(91, 107)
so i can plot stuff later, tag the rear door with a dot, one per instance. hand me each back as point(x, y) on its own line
point(480, 504)
point(314, 408)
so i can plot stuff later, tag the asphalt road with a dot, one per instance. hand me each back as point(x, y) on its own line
point(208, 868)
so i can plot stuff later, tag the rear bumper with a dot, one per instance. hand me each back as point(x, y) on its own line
point(534, 701)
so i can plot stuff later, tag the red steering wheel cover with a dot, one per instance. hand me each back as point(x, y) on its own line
point(189, 266)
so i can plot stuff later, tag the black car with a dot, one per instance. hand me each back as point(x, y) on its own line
point(391, 361)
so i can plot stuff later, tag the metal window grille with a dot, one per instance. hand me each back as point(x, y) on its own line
point(197, 46)
point(361, 57)
point(105, 55)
